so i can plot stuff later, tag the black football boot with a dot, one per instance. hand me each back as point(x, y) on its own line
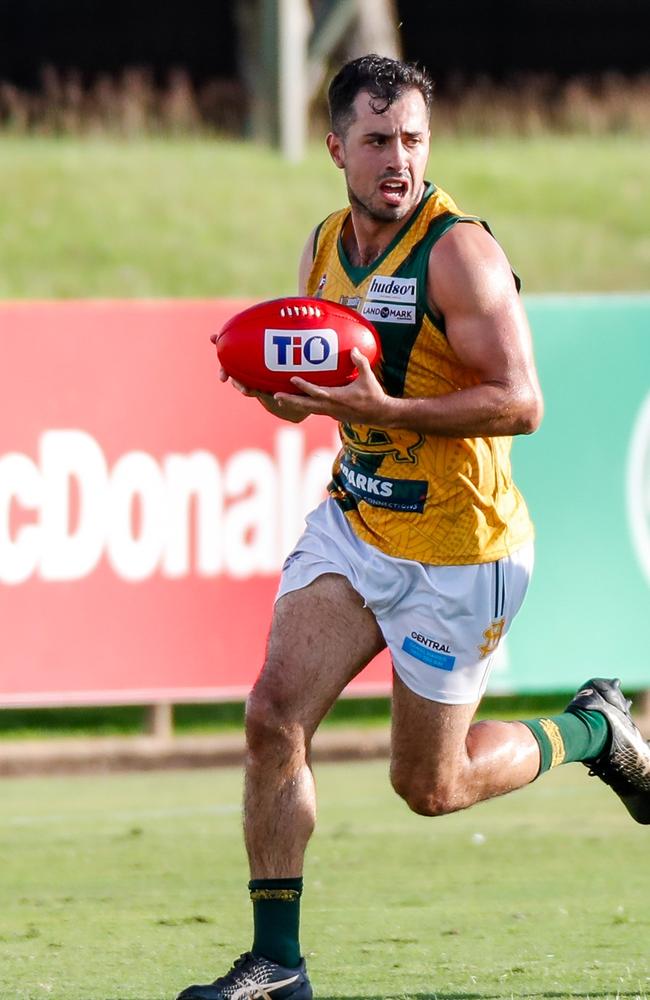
point(625, 763)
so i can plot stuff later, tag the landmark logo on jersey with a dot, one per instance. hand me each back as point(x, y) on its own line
point(301, 350)
point(385, 312)
point(388, 288)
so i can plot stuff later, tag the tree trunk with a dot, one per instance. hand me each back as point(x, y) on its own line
point(376, 30)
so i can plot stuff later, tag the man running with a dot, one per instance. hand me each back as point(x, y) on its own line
point(424, 544)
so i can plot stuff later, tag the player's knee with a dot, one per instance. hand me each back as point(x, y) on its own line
point(427, 796)
point(271, 726)
point(433, 801)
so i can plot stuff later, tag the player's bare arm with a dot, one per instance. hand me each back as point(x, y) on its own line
point(471, 286)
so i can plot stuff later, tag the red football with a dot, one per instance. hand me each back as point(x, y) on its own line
point(262, 347)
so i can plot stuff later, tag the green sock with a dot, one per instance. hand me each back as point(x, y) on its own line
point(276, 918)
point(574, 735)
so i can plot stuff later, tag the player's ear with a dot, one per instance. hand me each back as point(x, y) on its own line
point(336, 150)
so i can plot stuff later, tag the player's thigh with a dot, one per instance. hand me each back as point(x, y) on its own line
point(428, 738)
point(321, 636)
point(442, 636)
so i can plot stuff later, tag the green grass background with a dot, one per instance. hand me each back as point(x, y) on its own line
point(132, 887)
point(110, 218)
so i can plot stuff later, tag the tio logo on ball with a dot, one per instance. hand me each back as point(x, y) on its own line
point(301, 350)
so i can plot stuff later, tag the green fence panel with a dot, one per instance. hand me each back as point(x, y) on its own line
point(586, 477)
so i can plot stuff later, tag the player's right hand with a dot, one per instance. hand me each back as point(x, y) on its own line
point(283, 410)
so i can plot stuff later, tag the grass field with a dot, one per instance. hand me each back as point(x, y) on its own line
point(104, 218)
point(131, 887)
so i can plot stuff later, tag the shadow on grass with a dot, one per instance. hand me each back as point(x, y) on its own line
point(507, 995)
point(543, 995)
point(536, 995)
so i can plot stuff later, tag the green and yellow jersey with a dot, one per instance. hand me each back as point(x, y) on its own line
point(439, 500)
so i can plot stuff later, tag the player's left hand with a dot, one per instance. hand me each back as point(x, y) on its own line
point(361, 402)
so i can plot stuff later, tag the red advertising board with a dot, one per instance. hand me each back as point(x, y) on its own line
point(145, 508)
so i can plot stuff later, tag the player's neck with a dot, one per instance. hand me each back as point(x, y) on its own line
point(365, 239)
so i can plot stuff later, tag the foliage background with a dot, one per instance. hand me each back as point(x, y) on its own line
point(205, 216)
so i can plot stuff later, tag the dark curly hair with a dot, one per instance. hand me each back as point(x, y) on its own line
point(384, 79)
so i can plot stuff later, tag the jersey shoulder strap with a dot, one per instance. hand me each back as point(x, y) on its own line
point(328, 230)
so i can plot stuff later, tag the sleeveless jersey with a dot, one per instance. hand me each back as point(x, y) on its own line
point(438, 500)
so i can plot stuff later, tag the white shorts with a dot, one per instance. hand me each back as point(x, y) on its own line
point(442, 624)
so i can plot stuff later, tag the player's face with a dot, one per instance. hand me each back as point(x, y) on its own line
point(384, 156)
